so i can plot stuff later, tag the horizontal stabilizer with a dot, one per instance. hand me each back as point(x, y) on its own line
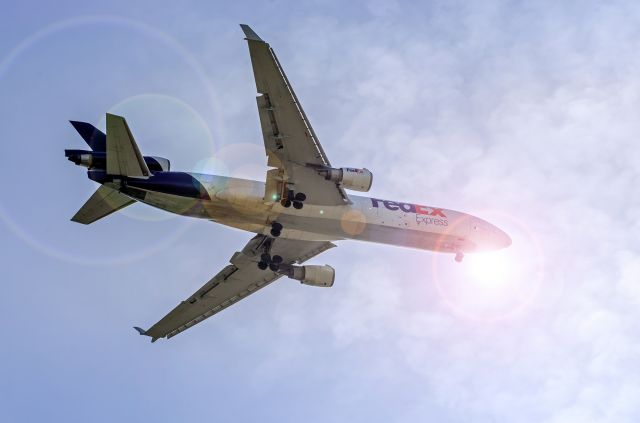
point(102, 203)
point(123, 156)
point(96, 139)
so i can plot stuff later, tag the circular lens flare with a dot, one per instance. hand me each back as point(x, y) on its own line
point(39, 239)
point(497, 285)
point(492, 271)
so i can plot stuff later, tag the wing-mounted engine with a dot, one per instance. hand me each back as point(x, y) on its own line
point(312, 275)
point(349, 177)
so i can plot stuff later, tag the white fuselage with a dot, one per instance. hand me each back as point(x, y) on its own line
point(240, 203)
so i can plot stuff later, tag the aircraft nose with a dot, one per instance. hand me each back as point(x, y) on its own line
point(489, 237)
point(502, 239)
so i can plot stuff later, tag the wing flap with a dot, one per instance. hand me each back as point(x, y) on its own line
point(102, 203)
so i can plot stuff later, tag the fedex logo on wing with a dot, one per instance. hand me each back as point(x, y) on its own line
point(408, 208)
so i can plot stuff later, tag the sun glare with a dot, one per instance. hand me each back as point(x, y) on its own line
point(489, 270)
point(494, 285)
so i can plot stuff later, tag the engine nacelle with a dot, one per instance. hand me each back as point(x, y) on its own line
point(157, 164)
point(98, 160)
point(313, 275)
point(350, 178)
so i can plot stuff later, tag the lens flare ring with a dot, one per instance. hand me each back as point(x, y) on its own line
point(145, 29)
point(491, 281)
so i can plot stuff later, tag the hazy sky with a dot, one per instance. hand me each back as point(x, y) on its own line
point(524, 113)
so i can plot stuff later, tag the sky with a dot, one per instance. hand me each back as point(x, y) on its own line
point(522, 113)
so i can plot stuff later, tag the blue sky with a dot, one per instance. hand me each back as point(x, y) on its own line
point(524, 113)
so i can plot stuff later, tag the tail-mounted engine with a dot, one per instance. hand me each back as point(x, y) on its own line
point(98, 160)
point(349, 178)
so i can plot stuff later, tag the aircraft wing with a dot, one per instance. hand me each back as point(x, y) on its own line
point(289, 140)
point(236, 281)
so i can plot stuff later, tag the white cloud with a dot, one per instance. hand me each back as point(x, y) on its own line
point(529, 109)
point(539, 124)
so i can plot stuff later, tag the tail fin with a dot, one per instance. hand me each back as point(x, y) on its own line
point(102, 203)
point(96, 139)
point(123, 155)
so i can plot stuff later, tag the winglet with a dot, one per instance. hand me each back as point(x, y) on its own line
point(144, 332)
point(140, 330)
point(250, 34)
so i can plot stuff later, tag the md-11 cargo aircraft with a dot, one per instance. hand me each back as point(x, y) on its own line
point(296, 213)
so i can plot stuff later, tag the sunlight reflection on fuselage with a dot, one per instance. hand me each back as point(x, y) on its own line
point(493, 285)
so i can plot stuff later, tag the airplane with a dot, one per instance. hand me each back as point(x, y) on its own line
point(298, 212)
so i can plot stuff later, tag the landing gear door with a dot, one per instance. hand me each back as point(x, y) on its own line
point(273, 186)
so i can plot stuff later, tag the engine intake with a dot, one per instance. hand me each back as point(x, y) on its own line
point(157, 164)
point(312, 275)
point(350, 178)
